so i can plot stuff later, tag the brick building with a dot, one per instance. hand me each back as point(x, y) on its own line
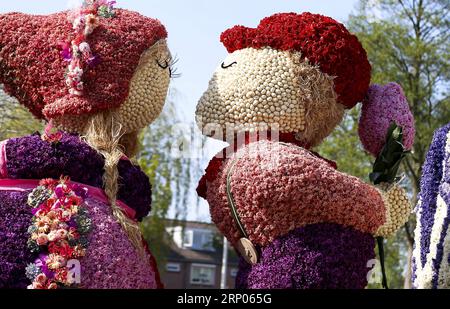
point(194, 258)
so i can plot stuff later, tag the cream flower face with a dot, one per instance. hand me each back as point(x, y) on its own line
point(146, 98)
point(148, 89)
point(259, 89)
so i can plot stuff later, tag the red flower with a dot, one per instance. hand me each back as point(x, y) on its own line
point(61, 275)
point(49, 183)
point(210, 174)
point(62, 248)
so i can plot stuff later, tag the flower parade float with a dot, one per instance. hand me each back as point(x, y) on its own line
point(295, 220)
point(431, 254)
point(71, 199)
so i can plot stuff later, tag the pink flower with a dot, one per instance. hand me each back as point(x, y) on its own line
point(42, 239)
point(79, 24)
point(61, 234)
point(36, 286)
point(61, 190)
point(41, 278)
point(73, 234)
point(61, 276)
point(85, 50)
point(51, 215)
point(66, 52)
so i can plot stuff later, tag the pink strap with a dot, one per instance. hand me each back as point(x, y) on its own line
point(29, 184)
point(3, 168)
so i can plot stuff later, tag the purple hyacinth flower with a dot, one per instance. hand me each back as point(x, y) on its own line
point(383, 105)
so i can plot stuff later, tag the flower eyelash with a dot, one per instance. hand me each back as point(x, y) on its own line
point(169, 63)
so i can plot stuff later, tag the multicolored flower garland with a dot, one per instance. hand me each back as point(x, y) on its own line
point(58, 232)
point(78, 52)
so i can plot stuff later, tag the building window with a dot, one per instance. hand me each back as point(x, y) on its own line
point(198, 239)
point(188, 238)
point(173, 267)
point(207, 241)
point(203, 274)
point(233, 272)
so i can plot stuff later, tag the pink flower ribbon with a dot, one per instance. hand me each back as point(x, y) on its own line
point(29, 184)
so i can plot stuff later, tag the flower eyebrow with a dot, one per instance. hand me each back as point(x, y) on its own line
point(227, 66)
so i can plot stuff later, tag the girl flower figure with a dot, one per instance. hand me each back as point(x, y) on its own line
point(101, 74)
point(296, 221)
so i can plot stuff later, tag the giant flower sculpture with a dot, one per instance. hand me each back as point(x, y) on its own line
point(70, 203)
point(295, 220)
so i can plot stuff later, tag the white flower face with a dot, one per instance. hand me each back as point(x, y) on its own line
point(258, 89)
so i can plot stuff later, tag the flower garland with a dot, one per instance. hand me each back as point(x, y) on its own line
point(58, 232)
point(79, 53)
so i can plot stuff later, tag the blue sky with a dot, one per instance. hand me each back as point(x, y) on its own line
point(194, 27)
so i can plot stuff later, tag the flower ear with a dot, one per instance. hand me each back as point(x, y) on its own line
point(238, 37)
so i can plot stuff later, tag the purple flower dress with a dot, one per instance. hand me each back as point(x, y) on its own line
point(111, 260)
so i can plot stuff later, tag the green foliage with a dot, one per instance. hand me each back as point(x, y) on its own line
point(15, 120)
point(388, 161)
point(170, 175)
point(343, 147)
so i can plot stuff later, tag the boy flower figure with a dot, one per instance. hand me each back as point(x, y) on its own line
point(298, 223)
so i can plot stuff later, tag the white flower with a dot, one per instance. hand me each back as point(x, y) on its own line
point(79, 23)
point(91, 23)
point(84, 48)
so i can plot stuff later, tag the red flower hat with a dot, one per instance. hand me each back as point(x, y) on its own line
point(322, 40)
point(33, 70)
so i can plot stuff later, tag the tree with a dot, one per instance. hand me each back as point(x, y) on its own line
point(15, 120)
point(407, 41)
point(170, 173)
